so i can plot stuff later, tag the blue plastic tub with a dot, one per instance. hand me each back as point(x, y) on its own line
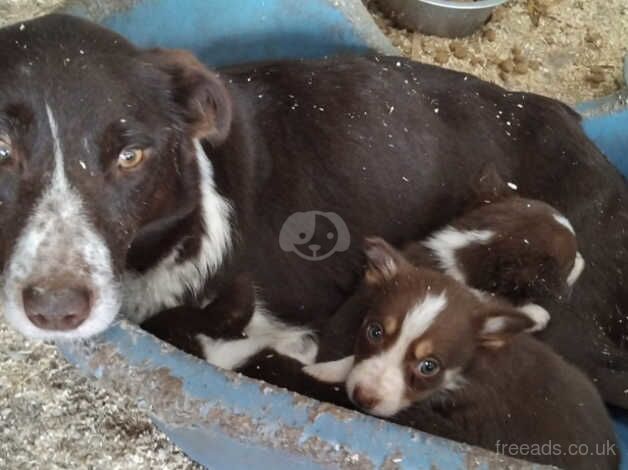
point(223, 420)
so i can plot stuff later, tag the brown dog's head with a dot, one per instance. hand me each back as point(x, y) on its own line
point(100, 160)
point(421, 330)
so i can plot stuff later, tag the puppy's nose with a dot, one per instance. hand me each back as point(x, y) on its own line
point(365, 398)
point(56, 308)
point(314, 247)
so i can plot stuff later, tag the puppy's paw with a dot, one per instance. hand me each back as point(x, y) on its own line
point(302, 347)
point(331, 372)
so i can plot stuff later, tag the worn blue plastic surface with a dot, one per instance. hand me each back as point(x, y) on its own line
point(223, 32)
point(225, 421)
point(621, 426)
point(610, 133)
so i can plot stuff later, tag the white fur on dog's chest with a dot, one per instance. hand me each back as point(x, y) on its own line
point(165, 285)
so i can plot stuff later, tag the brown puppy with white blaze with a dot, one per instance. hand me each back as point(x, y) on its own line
point(505, 245)
point(519, 248)
point(431, 354)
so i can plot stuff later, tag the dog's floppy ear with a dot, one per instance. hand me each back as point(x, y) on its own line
point(203, 98)
point(382, 260)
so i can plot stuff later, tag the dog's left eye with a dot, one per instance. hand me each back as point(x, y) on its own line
point(374, 332)
point(5, 149)
point(428, 367)
point(130, 158)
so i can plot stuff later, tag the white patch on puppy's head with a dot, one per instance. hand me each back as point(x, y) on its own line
point(382, 375)
point(446, 242)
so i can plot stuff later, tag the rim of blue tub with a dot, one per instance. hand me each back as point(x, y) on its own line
point(181, 392)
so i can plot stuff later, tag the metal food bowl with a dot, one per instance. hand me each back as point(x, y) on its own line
point(448, 18)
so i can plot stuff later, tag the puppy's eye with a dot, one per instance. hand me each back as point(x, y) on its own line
point(5, 148)
point(428, 367)
point(130, 158)
point(374, 332)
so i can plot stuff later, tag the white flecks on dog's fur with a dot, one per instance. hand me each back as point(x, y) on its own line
point(263, 331)
point(165, 284)
point(382, 375)
point(576, 271)
point(446, 242)
point(537, 314)
point(332, 371)
point(562, 220)
point(59, 241)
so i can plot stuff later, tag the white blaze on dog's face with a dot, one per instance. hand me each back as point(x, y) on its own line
point(107, 196)
point(59, 281)
point(420, 332)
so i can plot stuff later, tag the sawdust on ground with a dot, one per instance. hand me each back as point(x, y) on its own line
point(52, 417)
point(572, 50)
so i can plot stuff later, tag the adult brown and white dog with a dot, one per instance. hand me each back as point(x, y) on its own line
point(137, 180)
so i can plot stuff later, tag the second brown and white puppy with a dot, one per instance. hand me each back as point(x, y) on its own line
point(519, 248)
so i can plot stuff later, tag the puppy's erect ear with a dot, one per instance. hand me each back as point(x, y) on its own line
point(496, 327)
point(489, 185)
point(383, 260)
point(332, 371)
point(203, 98)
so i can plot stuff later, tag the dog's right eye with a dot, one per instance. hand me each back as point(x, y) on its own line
point(5, 149)
point(130, 158)
point(374, 332)
point(428, 367)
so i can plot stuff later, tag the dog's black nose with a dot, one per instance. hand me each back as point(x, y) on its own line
point(56, 308)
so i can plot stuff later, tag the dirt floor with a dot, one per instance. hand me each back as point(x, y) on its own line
point(51, 417)
point(567, 49)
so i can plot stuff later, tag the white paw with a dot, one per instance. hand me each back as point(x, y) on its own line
point(302, 347)
point(229, 354)
point(537, 314)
